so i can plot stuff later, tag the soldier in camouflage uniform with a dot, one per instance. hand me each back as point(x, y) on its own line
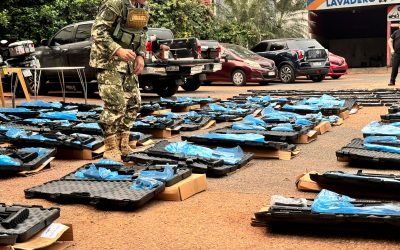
point(118, 53)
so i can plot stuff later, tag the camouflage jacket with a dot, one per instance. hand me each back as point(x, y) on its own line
point(104, 46)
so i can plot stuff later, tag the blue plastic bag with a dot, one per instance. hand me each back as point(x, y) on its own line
point(300, 107)
point(109, 162)
point(41, 104)
point(93, 125)
point(245, 126)
point(14, 110)
point(330, 202)
point(140, 124)
point(16, 133)
point(40, 151)
point(59, 116)
point(234, 137)
point(252, 120)
point(283, 127)
point(100, 174)
point(142, 183)
point(325, 101)
point(303, 122)
point(6, 160)
point(375, 143)
point(375, 128)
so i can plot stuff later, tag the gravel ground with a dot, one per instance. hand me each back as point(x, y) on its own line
point(218, 218)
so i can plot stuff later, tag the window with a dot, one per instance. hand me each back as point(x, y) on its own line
point(83, 33)
point(63, 37)
point(277, 46)
point(262, 47)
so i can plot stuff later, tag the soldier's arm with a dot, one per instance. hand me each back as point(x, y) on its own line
point(102, 30)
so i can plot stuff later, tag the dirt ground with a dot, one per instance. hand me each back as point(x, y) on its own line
point(220, 217)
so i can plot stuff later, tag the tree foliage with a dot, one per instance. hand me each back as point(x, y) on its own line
point(242, 22)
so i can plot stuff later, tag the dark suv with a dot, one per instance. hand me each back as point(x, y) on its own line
point(296, 57)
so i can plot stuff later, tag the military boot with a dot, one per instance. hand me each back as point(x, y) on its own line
point(112, 151)
point(125, 144)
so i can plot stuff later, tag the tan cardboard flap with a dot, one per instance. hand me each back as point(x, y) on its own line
point(47, 237)
point(304, 182)
point(185, 188)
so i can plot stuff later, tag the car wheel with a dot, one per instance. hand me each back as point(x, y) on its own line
point(286, 73)
point(239, 78)
point(317, 78)
point(192, 84)
point(167, 88)
point(335, 77)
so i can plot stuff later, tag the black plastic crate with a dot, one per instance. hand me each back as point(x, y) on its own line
point(268, 135)
point(195, 123)
point(38, 219)
point(22, 114)
point(101, 194)
point(266, 145)
point(29, 161)
point(360, 184)
point(354, 151)
point(291, 218)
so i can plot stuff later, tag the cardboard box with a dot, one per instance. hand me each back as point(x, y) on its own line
point(55, 237)
point(307, 138)
point(323, 127)
point(185, 188)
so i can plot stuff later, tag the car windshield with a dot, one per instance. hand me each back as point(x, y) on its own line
point(239, 50)
point(304, 44)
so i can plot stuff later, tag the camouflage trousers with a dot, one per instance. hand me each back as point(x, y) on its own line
point(121, 96)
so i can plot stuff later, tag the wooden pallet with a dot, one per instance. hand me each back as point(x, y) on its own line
point(80, 154)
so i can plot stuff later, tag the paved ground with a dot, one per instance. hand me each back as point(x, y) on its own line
point(220, 217)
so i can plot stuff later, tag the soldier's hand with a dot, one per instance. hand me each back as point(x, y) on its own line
point(126, 54)
point(139, 65)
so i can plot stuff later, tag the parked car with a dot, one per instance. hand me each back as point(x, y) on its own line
point(71, 46)
point(242, 66)
point(338, 66)
point(296, 57)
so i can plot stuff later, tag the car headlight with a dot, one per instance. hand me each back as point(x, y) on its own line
point(253, 64)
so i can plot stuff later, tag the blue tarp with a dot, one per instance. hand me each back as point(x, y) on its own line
point(325, 101)
point(332, 203)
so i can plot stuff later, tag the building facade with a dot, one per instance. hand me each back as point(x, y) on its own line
point(355, 29)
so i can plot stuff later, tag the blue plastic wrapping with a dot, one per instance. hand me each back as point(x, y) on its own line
point(4, 118)
point(381, 129)
point(59, 116)
point(216, 107)
point(6, 160)
point(325, 101)
point(375, 143)
point(40, 151)
point(252, 120)
point(83, 114)
point(184, 99)
point(145, 183)
point(93, 125)
point(300, 107)
point(259, 99)
point(14, 110)
point(270, 112)
point(140, 124)
point(396, 124)
point(283, 127)
point(303, 122)
point(100, 174)
point(15, 133)
point(163, 176)
point(234, 137)
point(245, 126)
point(332, 203)
point(37, 120)
point(109, 162)
point(40, 138)
point(41, 104)
point(187, 149)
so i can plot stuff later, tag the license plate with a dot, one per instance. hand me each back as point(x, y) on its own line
point(271, 73)
point(172, 68)
point(316, 64)
point(26, 73)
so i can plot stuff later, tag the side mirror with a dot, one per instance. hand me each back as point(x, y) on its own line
point(44, 42)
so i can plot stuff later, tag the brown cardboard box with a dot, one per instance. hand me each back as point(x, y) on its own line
point(55, 237)
point(185, 188)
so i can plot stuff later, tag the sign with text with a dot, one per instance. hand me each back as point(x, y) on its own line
point(336, 4)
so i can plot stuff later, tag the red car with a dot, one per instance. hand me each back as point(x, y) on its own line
point(338, 66)
point(242, 66)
